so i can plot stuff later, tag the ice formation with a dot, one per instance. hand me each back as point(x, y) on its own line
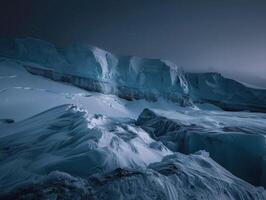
point(94, 69)
point(236, 141)
point(67, 153)
point(131, 77)
point(165, 138)
point(225, 93)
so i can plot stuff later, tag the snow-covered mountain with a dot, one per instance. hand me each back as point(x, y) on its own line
point(166, 138)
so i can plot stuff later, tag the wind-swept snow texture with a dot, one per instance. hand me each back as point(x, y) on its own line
point(70, 140)
point(58, 141)
point(235, 140)
point(67, 153)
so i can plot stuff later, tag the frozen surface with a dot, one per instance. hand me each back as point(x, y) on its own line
point(70, 140)
point(131, 77)
point(67, 153)
point(58, 141)
point(235, 140)
point(23, 95)
point(226, 93)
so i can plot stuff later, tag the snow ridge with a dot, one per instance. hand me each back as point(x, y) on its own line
point(66, 152)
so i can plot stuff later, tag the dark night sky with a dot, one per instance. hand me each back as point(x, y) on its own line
point(227, 36)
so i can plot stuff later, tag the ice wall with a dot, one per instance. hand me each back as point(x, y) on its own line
point(131, 77)
point(225, 93)
point(128, 76)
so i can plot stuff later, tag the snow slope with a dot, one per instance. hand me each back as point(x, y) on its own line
point(71, 143)
point(128, 76)
point(67, 153)
point(23, 95)
point(131, 77)
point(237, 141)
point(62, 137)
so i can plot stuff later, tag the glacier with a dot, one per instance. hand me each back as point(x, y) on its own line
point(79, 122)
point(65, 136)
point(131, 77)
point(67, 153)
point(236, 141)
point(94, 69)
point(226, 93)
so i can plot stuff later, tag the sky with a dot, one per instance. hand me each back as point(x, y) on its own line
point(226, 36)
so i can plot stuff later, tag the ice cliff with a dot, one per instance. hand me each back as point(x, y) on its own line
point(225, 93)
point(95, 69)
point(89, 145)
point(131, 77)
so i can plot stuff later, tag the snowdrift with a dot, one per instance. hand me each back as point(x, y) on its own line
point(67, 153)
point(235, 141)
